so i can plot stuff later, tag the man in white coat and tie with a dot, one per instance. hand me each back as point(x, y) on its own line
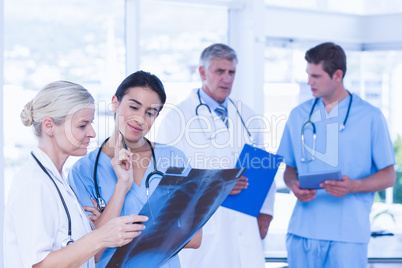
point(211, 129)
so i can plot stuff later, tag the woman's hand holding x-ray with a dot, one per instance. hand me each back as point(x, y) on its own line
point(122, 165)
point(121, 230)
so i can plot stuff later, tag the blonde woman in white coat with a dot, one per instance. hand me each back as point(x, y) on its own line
point(42, 213)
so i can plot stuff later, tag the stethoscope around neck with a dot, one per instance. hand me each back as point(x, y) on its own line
point(69, 239)
point(99, 200)
point(201, 104)
point(309, 122)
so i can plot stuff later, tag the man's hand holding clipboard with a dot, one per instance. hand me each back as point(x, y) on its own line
point(334, 182)
point(315, 180)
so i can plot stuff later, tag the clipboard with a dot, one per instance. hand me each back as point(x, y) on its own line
point(313, 180)
point(261, 167)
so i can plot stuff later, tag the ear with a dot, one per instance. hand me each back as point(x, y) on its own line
point(115, 103)
point(338, 75)
point(202, 71)
point(48, 126)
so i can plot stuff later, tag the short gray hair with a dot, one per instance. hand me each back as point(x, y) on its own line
point(56, 100)
point(217, 51)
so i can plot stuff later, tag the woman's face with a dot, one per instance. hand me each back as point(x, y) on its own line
point(136, 112)
point(74, 134)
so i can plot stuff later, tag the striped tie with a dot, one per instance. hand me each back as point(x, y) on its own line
point(222, 113)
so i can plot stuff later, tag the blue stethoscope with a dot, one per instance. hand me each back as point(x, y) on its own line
point(154, 174)
point(210, 112)
point(309, 122)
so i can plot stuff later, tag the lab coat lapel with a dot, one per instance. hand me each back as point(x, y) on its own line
point(206, 114)
point(203, 110)
point(236, 129)
point(48, 164)
point(61, 181)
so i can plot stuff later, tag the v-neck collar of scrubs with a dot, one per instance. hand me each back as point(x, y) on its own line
point(139, 190)
point(341, 104)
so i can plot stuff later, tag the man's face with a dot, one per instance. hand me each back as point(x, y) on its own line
point(218, 79)
point(322, 85)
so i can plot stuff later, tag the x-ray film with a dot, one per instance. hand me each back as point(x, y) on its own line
point(177, 210)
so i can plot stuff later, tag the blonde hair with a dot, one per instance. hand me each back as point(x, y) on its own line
point(56, 100)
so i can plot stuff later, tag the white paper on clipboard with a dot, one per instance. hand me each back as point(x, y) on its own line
point(313, 180)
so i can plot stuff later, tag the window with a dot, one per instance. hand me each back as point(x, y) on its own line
point(173, 36)
point(45, 41)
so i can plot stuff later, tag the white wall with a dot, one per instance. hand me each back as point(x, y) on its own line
point(381, 32)
point(314, 25)
point(246, 37)
point(132, 35)
point(351, 31)
point(1, 133)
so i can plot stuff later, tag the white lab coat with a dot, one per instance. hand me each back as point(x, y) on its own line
point(230, 238)
point(35, 220)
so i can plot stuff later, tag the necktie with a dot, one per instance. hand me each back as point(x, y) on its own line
point(222, 113)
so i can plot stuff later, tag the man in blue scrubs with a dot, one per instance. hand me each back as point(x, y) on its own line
point(330, 226)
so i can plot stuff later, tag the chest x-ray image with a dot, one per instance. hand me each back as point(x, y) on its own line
point(177, 210)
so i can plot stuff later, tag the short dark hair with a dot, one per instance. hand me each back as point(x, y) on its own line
point(330, 54)
point(141, 79)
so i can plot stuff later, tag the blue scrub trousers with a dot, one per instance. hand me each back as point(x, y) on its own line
point(313, 253)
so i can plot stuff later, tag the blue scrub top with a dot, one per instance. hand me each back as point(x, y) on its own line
point(361, 149)
point(81, 180)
